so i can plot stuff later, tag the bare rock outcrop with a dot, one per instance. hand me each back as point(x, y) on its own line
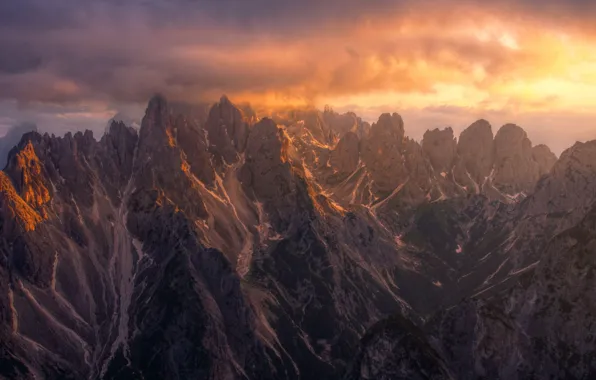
point(544, 158)
point(515, 168)
point(381, 152)
point(346, 155)
point(227, 132)
point(440, 147)
point(396, 349)
point(475, 150)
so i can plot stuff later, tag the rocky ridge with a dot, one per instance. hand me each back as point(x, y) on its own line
point(276, 247)
point(531, 317)
point(131, 249)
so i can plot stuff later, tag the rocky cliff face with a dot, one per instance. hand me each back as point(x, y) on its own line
point(132, 249)
point(530, 317)
point(382, 153)
point(395, 349)
point(515, 168)
point(389, 171)
point(476, 153)
point(440, 148)
point(12, 138)
point(212, 244)
point(227, 131)
point(538, 328)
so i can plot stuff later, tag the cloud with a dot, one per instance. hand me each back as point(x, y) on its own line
point(72, 50)
point(87, 59)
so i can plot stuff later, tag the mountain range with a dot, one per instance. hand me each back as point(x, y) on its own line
point(212, 243)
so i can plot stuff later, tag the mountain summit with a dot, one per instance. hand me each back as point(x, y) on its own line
point(211, 244)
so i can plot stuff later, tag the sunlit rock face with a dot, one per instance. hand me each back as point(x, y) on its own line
point(12, 138)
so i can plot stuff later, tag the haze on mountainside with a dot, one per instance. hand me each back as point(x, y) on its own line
point(72, 65)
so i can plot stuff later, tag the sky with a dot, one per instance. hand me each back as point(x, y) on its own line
point(73, 64)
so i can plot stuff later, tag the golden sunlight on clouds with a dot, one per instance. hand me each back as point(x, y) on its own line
point(442, 62)
point(471, 59)
point(495, 66)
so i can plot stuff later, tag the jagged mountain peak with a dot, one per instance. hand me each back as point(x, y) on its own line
point(480, 123)
point(580, 153)
point(227, 131)
point(181, 241)
point(346, 156)
point(440, 146)
point(512, 129)
point(573, 173)
point(224, 100)
point(156, 128)
point(266, 141)
point(157, 101)
point(381, 152)
point(516, 170)
point(478, 130)
point(544, 157)
point(12, 138)
point(23, 185)
point(543, 147)
point(27, 172)
point(116, 127)
point(392, 122)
